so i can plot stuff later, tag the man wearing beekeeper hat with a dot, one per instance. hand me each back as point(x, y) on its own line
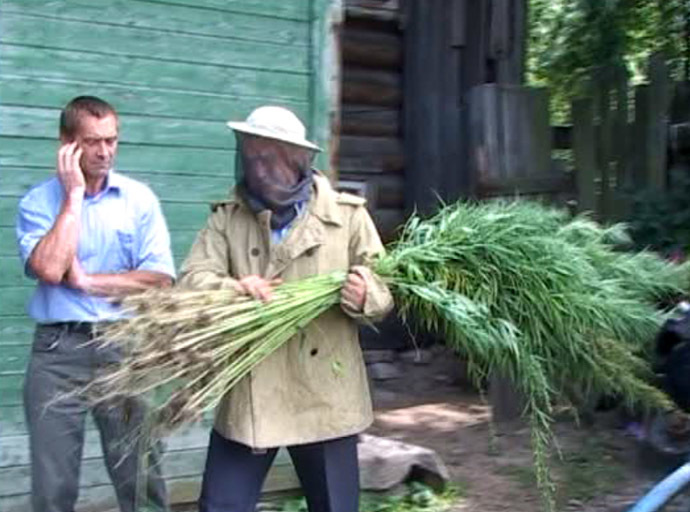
point(284, 222)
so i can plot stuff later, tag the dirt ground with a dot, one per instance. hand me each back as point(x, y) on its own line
point(602, 466)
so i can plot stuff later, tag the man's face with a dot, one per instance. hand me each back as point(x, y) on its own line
point(268, 161)
point(97, 137)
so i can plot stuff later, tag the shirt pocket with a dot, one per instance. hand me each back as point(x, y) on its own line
point(125, 249)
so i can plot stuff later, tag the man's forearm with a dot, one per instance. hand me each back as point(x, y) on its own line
point(118, 285)
point(53, 255)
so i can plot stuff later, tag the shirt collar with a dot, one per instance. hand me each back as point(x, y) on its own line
point(113, 181)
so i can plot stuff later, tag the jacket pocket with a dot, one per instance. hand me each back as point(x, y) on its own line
point(46, 339)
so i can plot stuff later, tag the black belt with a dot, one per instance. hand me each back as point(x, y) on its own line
point(86, 328)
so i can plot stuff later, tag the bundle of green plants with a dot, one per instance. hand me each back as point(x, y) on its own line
point(185, 349)
point(517, 288)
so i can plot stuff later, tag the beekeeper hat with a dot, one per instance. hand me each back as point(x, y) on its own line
point(275, 123)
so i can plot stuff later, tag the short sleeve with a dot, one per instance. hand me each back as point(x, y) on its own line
point(153, 250)
point(33, 223)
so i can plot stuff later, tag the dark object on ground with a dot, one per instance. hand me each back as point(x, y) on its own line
point(673, 350)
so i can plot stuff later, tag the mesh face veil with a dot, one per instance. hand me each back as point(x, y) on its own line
point(273, 175)
point(271, 170)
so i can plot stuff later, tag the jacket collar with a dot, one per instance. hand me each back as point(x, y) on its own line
point(324, 203)
point(310, 232)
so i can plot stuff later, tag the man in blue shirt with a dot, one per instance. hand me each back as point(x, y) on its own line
point(87, 235)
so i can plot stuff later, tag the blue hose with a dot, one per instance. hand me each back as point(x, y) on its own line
point(662, 492)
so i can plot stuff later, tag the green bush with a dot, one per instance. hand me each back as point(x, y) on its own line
point(660, 220)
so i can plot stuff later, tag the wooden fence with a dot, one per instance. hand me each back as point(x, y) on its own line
point(619, 141)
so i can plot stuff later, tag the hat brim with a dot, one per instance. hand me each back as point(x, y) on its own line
point(252, 130)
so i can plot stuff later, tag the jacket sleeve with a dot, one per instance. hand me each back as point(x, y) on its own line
point(207, 266)
point(364, 246)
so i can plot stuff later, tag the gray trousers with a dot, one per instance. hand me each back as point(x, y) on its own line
point(62, 360)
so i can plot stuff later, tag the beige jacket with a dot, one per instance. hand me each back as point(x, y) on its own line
point(314, 387)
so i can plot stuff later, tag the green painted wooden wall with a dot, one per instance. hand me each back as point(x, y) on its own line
point(176, 71)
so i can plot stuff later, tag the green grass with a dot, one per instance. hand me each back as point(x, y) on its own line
point(416, 498)
point(580, 475)
point(589, 472)
point(523, 476)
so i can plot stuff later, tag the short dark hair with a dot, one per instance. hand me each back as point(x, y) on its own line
point(72, 112)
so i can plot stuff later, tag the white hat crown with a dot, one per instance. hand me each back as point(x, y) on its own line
point(278, 120)
point(275, 123)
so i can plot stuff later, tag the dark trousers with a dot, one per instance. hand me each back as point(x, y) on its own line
point(63, 361)
point(235, 474)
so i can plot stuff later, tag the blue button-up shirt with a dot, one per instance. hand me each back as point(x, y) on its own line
point(122, 229)
point(278, 235)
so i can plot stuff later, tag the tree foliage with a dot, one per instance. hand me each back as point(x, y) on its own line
point(569, 37)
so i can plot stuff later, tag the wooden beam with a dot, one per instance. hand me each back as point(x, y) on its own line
point(378, 10)
point(371, 164)
point(370, 154)
point(372, 49)
point(352, 145)
point(528, 185)
point(370, 120)
point(371, 94)
point(367, 87)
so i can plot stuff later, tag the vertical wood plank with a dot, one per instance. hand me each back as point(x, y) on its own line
point(436, 59)
point(510, 134)
point(533, 137)
point(433, 92)
point(458, 23)
point(492, 132)
point(657, 122)
point(601, 96)
point(640, 158)
point(325, 18)
point(620, 140)
point(452, 136)
point(477, 150)
point(415, 103)
point(584, 154)
point(507, 39)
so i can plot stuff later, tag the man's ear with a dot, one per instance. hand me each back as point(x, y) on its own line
point(64, 139)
